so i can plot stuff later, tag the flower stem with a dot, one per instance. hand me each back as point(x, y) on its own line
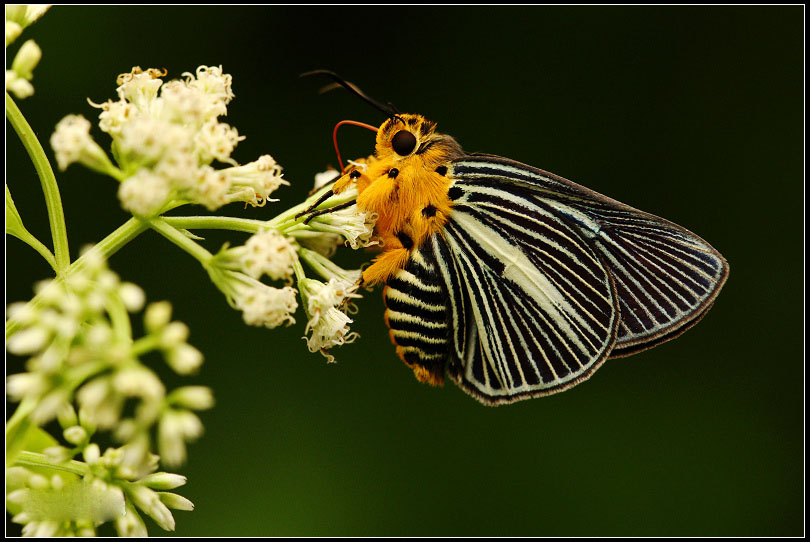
point(215, 223)
point(53, 201)
point(31, 459)
point(107, 247)
point(176, 236)
point(17, 426)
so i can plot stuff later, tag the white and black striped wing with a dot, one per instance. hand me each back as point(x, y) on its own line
point(532, 306)
point(666, 277)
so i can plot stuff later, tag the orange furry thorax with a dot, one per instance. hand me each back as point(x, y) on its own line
point(407, 193)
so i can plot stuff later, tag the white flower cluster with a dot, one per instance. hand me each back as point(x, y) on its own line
point(70, 505)
point(261, 305)
point(328, 324)
point(18, 78)
point(165, 137)
point(267, 252)
point(81, 352)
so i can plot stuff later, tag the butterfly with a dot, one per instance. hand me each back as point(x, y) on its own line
point(515, 282)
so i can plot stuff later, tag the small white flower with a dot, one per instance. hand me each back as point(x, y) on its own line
point(330, 329)
point(75, 435)
point(266, 252)
point(99, 404)
point(132, 295)
point(13, 30)
point(23, 313)
point(157, 315)
point(21, 385)
point(139, 87)
point(265, 306)
point(215, 140)
point(184, 105)
point(27, 59)
point(20, 87)
point(184, 359)
point(356, 226)
point(25, 14)
point(163, 480)
point(254, 182)
point(138, 382)
point(130, 524)
point(145, 141)
point(192, 397)
point(211, 188)
point(71, 142)
point(49, 405)
point(174, 334)
point(176, 502)
point(175, 428)
point(144, 193)
point(41, 529)
point(261, 305)
point(148, 501)
point(213, 83)
point(27, 341)
point(114, 116)
point(328, 324)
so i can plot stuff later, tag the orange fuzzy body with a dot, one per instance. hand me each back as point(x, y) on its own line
point(407, 193)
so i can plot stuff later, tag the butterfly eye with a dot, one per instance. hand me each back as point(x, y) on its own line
point(403, 142)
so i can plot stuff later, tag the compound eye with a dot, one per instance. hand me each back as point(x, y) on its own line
point(403, 142)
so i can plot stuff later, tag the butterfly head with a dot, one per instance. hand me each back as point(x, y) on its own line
point(407, 137)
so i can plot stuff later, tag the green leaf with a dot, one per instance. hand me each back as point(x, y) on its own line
point(13, 221)
point(78, 500)
point(15, 227)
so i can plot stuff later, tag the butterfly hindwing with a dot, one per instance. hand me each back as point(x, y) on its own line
point(666, 277)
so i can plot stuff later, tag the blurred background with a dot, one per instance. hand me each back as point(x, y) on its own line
point(691, 113)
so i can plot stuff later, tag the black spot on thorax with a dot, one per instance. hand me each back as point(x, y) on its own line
point(405, 239)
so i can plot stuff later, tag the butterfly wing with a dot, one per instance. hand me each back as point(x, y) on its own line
point(532, 306)
point(666, 278)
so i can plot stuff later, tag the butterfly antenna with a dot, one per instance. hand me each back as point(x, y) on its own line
point(388, 109)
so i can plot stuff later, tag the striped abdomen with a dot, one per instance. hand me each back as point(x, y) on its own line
point(416, 314)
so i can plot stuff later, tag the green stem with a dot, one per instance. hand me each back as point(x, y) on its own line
point(178, 238)
point(17, 427)
point(107, 247)
point(325, 267)
point(299, 270)
point(288, 219)
point(145, 344)
point(215, 223)
point(53, 201)
point(119, 317)
point(32, 459)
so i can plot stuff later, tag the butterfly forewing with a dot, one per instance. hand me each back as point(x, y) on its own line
point(666, 277)
point(536, 303)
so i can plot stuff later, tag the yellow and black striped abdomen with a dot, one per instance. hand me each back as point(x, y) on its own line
point(417, 316)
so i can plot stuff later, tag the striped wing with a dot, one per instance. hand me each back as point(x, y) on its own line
point(666, 277)
point(532, 306)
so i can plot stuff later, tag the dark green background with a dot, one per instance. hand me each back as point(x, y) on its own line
point(694, 114)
